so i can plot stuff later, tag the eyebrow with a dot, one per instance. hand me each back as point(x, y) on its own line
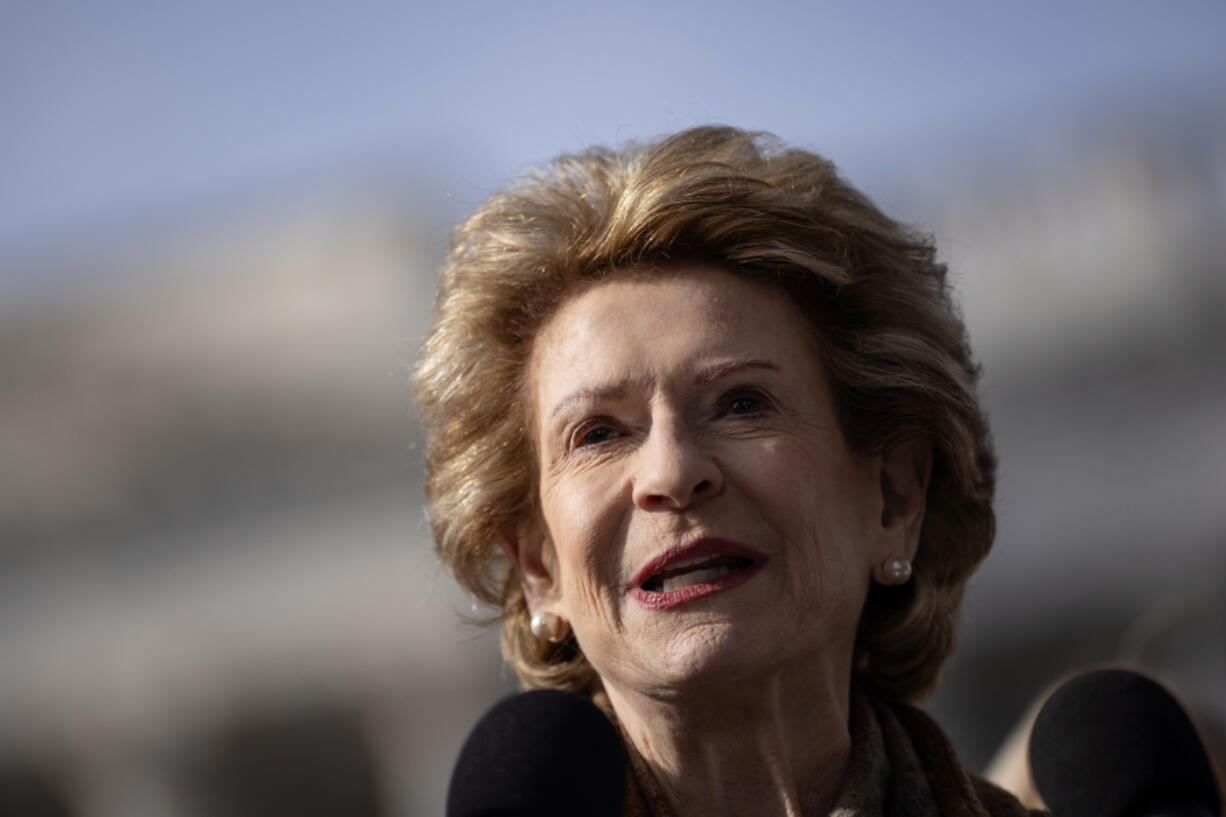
point(702, 377)
point(712, 373)
point(594, 395)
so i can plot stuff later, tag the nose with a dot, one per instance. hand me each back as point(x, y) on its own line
point(673, 471)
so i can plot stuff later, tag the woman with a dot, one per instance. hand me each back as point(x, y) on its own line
point(703, 429)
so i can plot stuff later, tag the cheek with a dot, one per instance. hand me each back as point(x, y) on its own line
point(785, 476)
point(817, 496)
point(586, 526)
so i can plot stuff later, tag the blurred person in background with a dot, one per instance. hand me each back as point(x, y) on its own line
point(704, 431)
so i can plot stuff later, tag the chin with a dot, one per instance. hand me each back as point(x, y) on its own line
point(710, 654)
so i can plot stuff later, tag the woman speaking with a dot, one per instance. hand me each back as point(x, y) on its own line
point(704, 431)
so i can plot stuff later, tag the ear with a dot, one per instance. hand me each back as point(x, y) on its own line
point(531, 551)
point(905, 471)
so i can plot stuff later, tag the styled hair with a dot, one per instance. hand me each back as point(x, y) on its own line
point(892, 340)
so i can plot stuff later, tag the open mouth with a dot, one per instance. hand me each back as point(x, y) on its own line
point(699, 570)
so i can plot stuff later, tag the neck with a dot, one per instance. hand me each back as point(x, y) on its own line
point(766, 747)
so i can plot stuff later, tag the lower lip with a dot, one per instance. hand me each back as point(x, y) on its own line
point(684, 595)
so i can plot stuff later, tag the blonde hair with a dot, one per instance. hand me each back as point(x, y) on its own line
point(893, 343)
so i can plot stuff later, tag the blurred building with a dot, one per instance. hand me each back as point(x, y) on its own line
point(217, 594)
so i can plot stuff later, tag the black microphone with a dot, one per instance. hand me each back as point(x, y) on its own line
point(540, 753)
point(1113, 743)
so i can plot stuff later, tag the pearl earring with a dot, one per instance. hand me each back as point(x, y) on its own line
point(897, 571)
point(548, 627)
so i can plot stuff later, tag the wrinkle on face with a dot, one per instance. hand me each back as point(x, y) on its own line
point(656, 360)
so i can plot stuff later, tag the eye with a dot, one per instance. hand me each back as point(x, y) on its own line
point(593, 433)
point(744, 403)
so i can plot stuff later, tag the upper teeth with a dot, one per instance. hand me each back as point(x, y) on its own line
point(684, 563)
point(695, 577)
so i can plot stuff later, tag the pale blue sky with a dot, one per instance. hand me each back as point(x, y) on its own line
point(112, 111)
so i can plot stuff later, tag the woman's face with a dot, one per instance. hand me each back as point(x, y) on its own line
point(702, 516)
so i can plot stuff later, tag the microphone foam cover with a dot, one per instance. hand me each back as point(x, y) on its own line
point(1112, 743)
point(544, 752)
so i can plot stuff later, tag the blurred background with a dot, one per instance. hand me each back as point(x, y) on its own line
point(219, 229)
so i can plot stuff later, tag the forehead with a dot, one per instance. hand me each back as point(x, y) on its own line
point(644, 325)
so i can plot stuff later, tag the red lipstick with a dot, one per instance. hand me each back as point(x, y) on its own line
point(723, 565)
